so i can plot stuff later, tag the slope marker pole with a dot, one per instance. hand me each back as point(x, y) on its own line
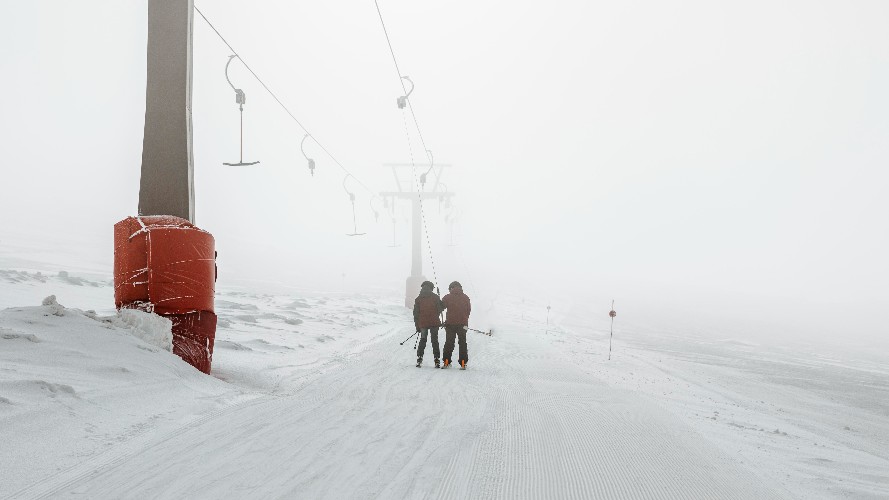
point(611, 337)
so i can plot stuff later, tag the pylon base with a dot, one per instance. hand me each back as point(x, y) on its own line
point(166, 265)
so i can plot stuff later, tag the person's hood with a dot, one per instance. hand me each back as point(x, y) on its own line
point(425, 292)
point(457, 290)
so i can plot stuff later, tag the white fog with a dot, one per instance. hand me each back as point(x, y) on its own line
point(717, 169)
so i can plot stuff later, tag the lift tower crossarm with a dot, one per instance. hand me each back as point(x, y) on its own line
point(416, 198)
point(414, 195)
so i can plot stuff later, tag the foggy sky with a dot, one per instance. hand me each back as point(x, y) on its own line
point(688, 159)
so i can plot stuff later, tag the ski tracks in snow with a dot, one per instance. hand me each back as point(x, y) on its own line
point(69, 477)
point(557, 433)
point(521, 422)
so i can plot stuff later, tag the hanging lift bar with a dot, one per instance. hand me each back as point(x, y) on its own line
point(374, 209)
point(423, 175)
point(240, 99)
point(391, 207)
point(352, 199)
point(311, 161)
point(402, 101)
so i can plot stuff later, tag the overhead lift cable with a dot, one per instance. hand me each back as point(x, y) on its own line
point(401, 101)
point(401, 78)
point(420, 197)
point(275, 97)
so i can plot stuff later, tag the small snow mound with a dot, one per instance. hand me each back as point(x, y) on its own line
point(225, 344)
point(54, 307)
point(149, 327)
point(54, 389)
point(20, 336)
point(37, 387)
point(296, 304)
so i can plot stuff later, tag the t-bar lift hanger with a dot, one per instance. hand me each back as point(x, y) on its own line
point(391, 207)
point(402, 101)
point(311, 161)
point(373, 209)
point(352, 199)
point(241, 99)
point(423, 175)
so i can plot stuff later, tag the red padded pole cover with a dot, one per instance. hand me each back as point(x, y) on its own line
point(193, 337)
point(166, 264)
point(130, 263)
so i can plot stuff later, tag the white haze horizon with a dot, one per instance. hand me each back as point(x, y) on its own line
point(707, 165)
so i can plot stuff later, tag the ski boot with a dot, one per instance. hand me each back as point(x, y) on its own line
point(437, 364)
point(419, 362)
point(462, 364)
point(446, 364)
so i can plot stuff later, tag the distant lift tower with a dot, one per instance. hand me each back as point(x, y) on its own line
point(415, 196)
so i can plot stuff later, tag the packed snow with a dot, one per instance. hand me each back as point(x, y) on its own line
point(312, 396)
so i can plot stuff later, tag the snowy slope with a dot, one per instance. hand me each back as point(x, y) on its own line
point(73, 385)
point(311, 396)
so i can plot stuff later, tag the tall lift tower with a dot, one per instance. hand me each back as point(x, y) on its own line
point(416, 192)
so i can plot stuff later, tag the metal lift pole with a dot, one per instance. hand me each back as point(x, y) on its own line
point(167, 183)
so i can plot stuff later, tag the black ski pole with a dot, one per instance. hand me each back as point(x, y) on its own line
point(612, 314)
point(489, 333)
point(405, 340)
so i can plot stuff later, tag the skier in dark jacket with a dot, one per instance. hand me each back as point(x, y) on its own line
point(458, 306)
point(427, 308)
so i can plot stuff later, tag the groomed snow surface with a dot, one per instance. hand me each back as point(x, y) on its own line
point(311, 396)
